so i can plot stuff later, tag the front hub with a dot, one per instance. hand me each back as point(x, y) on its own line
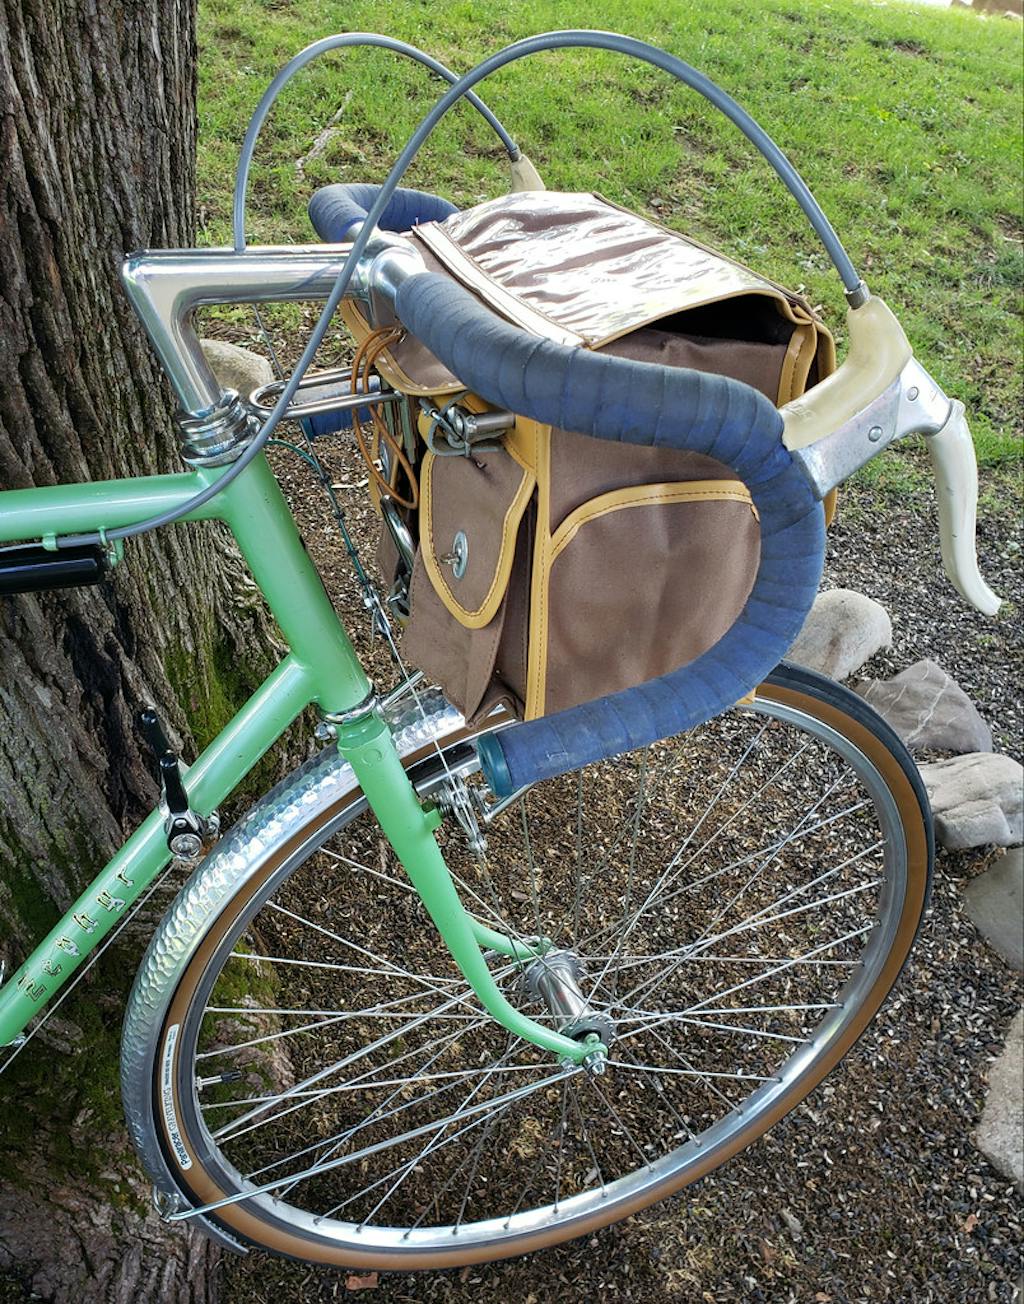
point(554, 978)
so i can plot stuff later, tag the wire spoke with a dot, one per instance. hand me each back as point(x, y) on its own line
point(703, 1074)
point(684, 954)
point(706, 934)
point(428, 980)
point(230, 1129)
point(770, 973)
point(674, 867)
point(329, 1148)
point(772, 849)
point(367, 869)
point(688, 1067)
point(389, 1010)
point(434, 1141)
point(331, 1144)
point(366, 1152)
point(728, 896)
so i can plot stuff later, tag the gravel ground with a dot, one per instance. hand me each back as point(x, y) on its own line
point(872, 1188)
point(887, 547)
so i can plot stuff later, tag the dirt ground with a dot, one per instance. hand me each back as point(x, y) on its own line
point(872, 1189)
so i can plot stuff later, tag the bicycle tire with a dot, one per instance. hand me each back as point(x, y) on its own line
point(239, 889)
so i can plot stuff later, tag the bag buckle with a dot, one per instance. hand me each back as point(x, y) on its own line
point(457, 432)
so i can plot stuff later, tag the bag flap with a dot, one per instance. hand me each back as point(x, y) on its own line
point(470, 510)
point(580, 270)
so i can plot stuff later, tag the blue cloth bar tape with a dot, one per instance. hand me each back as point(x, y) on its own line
point(334, 210)
point(637, 403)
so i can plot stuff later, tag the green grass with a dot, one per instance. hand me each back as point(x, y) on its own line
point(905, 121)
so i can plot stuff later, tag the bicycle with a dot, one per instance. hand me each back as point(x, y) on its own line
point(661, 927)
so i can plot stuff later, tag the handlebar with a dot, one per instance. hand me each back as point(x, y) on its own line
point(335, 210)
point(789, 459)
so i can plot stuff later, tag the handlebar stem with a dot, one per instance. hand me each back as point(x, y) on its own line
point(166, 286)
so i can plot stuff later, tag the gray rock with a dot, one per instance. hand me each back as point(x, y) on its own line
point(237, 368)
point(976, 799)
point(928, 710)
point(842, 630)
point(1000, 1135)
point(995, 903)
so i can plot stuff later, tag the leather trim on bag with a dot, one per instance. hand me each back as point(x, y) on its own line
point(797, 362)
point(648, 495)
point(516, 310)
point(538, 660)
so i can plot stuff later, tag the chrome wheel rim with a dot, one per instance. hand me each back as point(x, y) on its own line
point(563, 1206)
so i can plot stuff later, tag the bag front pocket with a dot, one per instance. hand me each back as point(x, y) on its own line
point(469, 519)
point(635, 583)
point(471, 509)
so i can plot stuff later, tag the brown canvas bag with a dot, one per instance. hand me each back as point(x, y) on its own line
point(554, 568)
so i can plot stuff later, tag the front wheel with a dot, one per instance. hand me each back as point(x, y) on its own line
point(729, 908)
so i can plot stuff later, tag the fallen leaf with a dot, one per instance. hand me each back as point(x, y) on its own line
point(367, 1282)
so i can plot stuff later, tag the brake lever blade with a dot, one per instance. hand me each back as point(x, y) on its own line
point(956, 483)
point(880, 394)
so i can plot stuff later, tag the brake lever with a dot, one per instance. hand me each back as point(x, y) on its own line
point(956, 485)
point(907, 401)
point(910, 404)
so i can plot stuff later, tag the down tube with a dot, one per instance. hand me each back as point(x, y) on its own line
point(210, 778)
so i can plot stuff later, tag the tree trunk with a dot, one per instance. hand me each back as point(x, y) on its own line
point(97, 135)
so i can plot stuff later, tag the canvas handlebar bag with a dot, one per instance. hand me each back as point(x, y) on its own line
point(552, 568)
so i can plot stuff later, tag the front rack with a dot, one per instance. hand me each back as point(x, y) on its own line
point(335, 395)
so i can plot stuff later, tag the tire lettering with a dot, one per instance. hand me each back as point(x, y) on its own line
point(167, 1098)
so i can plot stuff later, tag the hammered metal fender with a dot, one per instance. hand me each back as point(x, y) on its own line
point(304, 794)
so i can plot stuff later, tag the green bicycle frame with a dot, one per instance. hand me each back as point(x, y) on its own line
point(320, 668)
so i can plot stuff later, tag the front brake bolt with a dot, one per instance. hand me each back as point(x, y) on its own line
point(186, 846)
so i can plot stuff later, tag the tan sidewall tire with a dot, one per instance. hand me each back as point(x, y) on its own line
point(801, 690)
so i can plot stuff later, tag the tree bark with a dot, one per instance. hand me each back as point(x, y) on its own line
point(97, 136)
